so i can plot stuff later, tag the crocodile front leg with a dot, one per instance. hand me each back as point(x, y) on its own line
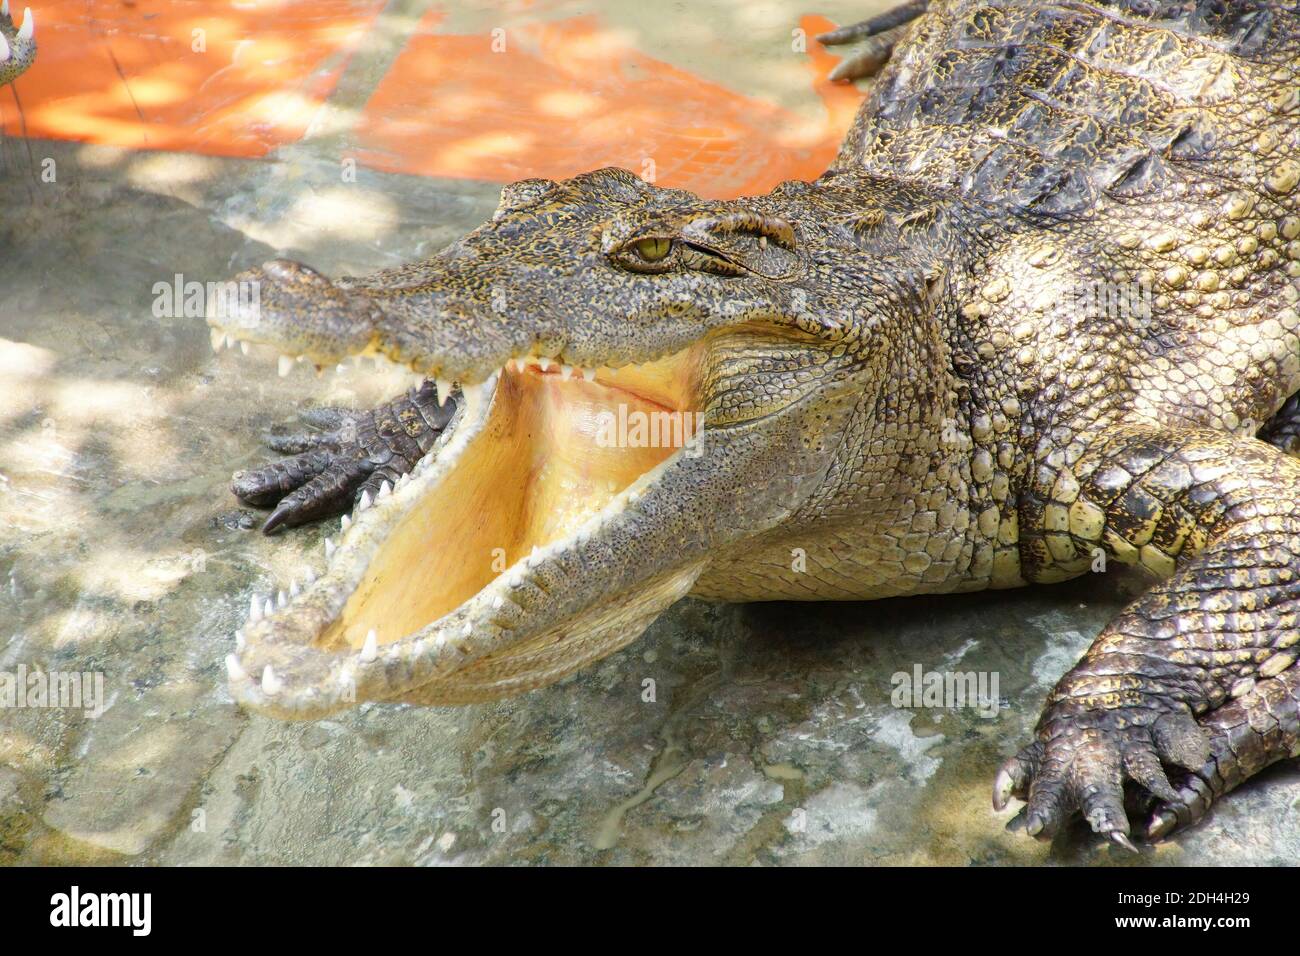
point(330, 470)
point(1220, 518)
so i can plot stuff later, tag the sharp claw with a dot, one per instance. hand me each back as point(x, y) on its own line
point(1121, 839)
point(1160, 825)
point(277, 519)
point(1003, 785)
point(1017, 823)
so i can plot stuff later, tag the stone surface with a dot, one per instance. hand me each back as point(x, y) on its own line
point(768, 735)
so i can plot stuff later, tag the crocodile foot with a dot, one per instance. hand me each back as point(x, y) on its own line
point(1081, 758)
point(881, 32)
point(1080, 764)
point(350, 455)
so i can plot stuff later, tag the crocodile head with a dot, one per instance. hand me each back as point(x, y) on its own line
point(645, 377)
point(17, 44)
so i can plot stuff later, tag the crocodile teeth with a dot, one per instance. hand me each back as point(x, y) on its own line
point(385, 489)
point(345, 523)
point(444, 389)
point(364, 503)
point(216, 337)
point(473, 399)
point(293, 589)
point(233, 668)
point(270, 683)
point(543, 363)
point(4, 7)
point(329, 549)
point(239, 640)
point(285, 366)
point(405, 477)
point(254, 609)
point(281, 600)
point(589, 374)
point(370, 650)
point(497, 602)
point(4, 48)
point(29, 25)
point(566, 372)
point(243, 347)
point(269, 609)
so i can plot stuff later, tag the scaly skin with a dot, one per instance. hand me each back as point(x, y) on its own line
point(897, 380)
point(17, 43)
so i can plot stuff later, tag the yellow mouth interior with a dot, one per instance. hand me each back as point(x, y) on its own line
point(541, 466)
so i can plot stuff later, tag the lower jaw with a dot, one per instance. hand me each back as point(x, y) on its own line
point(538, 465)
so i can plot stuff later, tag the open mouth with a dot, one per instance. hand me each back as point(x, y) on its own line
point(443, 568)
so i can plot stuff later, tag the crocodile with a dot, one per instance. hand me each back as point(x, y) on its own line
point(1039, 314)
point(17, 44)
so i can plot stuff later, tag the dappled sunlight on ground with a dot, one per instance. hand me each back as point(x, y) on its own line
point(234, 79)
point(563, 96)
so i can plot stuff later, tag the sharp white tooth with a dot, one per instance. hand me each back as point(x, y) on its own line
point(281, 600)
point(329, 549)
point(293, 590)
point(243, 347)
point(239, 640)
point(269, 609)
point(254, 609)
point(216, 336)
point(473, 399)
point(444, 389)
point(233, 668)
point(341, 367)
point(497, 602)
point(345, 523)
point(401, 482)
point(286, 365)
point(270, 683)
point(589, 374)
point(364, 503)
point(29, 25)
point(4, 48)
point(385, 489)
point(4, 7)
point(566, 372)
point(543, 363)
point(468, 629)
point(230, 341)
point(370, 650)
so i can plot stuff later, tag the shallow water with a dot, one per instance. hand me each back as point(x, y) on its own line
point(772, 738)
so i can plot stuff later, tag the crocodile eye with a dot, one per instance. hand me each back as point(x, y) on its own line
point(652, 250)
